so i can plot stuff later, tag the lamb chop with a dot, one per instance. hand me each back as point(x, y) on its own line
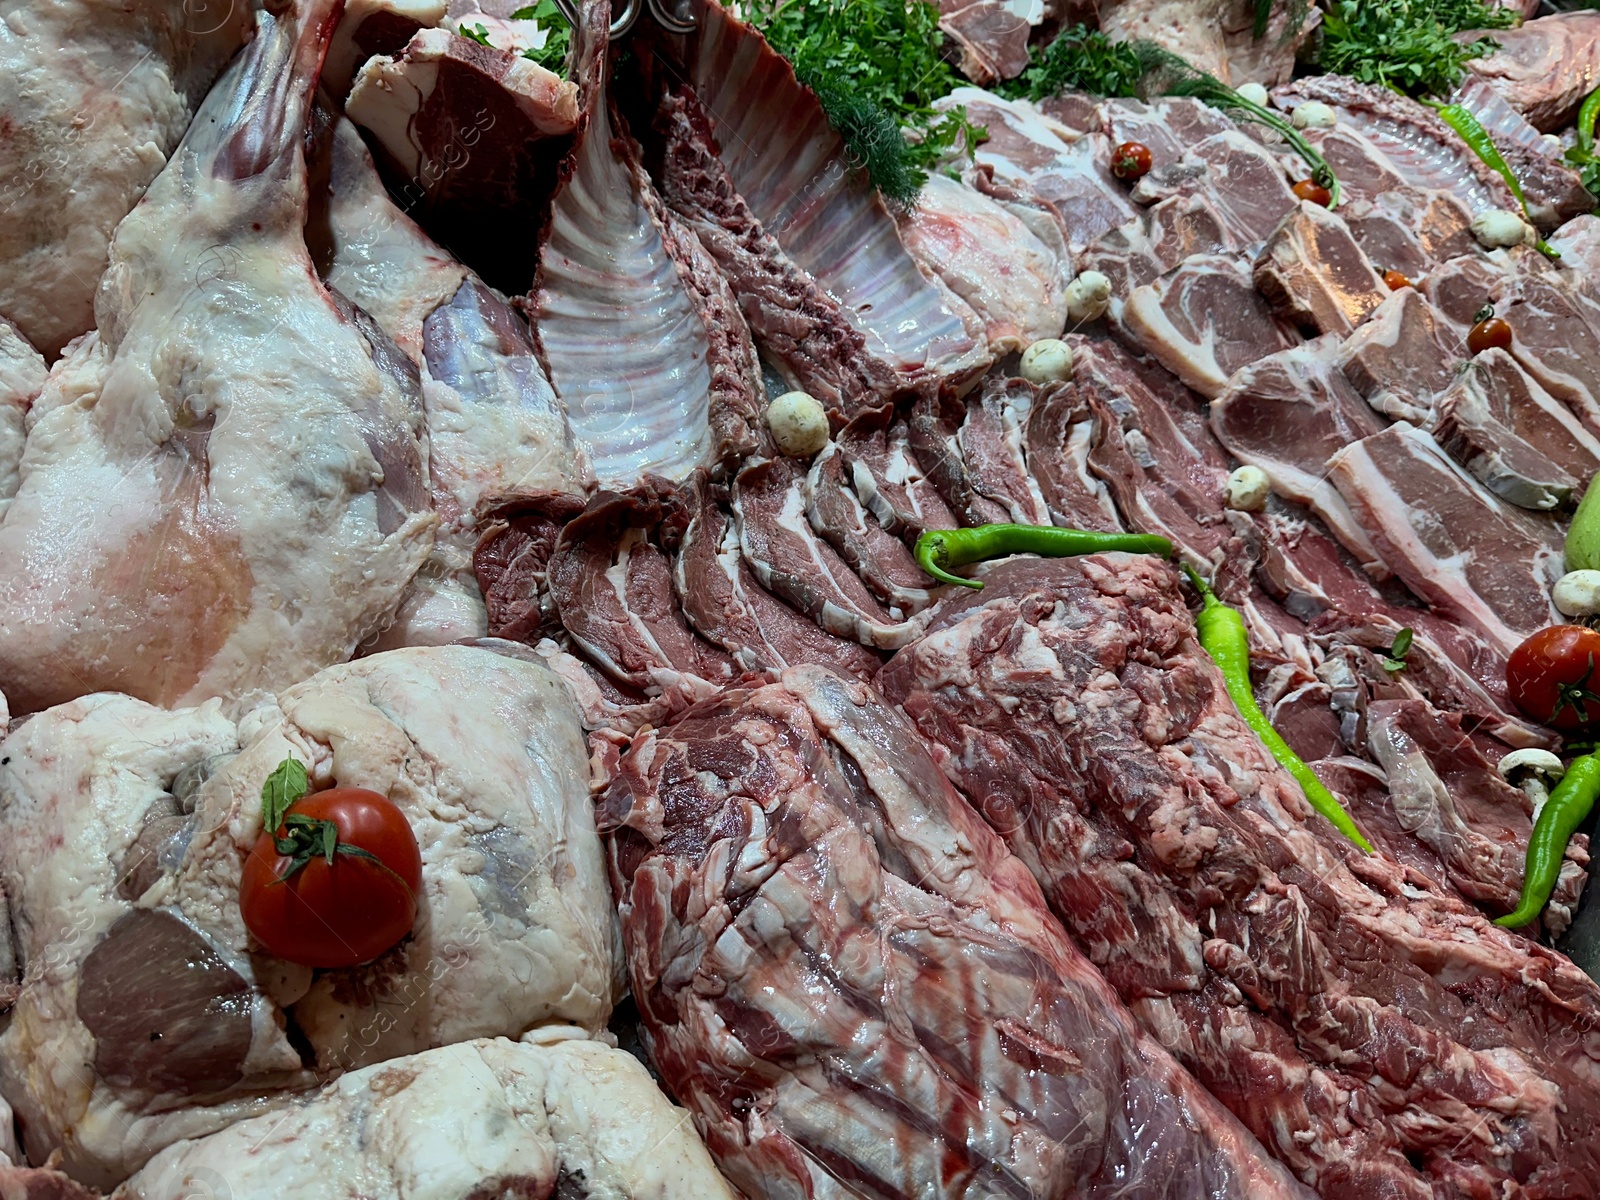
point(224, 486)
point(123, 833)
point(93, 97)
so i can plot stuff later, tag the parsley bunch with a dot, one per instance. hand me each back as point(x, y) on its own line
point(1080, 59)
point(1406, 45)
point(552, 56)
point(877, 66)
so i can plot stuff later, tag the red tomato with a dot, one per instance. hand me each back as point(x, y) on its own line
point(1551, 676)
point(1492, 333)
point(344, 913)
point(1310, 189)
point(1394, 281)
point(1131, 160)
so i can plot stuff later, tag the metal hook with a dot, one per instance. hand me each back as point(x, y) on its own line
point(622, 24)
point(671, 21)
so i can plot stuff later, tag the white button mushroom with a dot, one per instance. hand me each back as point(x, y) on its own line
point(1088, 297)
point(1534, 771)
point(1577, 594)
point(1314, 114)
point(1253, 92)
point(1248, 489)
point(1497, 228)
point(1047, 360)
point(799, 424)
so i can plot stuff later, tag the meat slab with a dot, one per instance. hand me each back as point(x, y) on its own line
point(858, 991)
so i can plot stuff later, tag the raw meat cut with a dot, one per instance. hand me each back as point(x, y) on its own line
point(1545, 68)
point(883, 561)
point(92, 100)
point(470, 139)
point(224, 487)
point(1557, 338)
point(857, 991)
point(1315, 274)
point(1204, 320)
point(22, 376)
point(992, 35)
point(124, 831)
point(643, 338)
point(1242, 182)
point(991, 260)
point(374, 27)
point(1401, 359)
point(1331, 999)
point(1169, 125)
point(1287, 414)
point(1514, 436)
point(792, 171)
point(554, 1120)
point(1458, 289)
point(1063, 429)
point(888, 479)
point(1217, 38)
point(1451, 540)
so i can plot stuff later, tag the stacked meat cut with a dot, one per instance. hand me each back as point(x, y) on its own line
point(417, 435)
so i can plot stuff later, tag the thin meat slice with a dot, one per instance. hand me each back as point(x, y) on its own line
point(888, 479)
point(1524, 445)
point(992, 36)
point(1061, 432)
point(1287, 414)
point(856, 990)
point(1315, 274)
point(1205, 320)
point(1458, 289)
point(991, 445)
point(882, 560)
point(1330, 998)
point(1244, 183)
point(1401, 358)
point(1545, 68)
point(727, 605)
point(1157, 240)
point(791, 560)
point(1452, 541)
point(511, 563)
point(1556, 338)
point(1410, 230)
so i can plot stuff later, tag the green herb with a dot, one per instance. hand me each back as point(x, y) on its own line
point(1582, 156)
point(552, 56)
point(287, 783)
point(1394, 658)
point(1080, 59)
point(876, 66)
point(476, 33)
point(1165, 74)
point(1263, 17)
point(1406, 45)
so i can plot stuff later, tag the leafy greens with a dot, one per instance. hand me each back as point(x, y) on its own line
point(876, 66)
point(1407, 45)
point(1080, 59)
point(552, 56)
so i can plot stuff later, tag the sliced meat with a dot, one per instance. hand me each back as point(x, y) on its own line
point(1062, 431)
point(1401, 358)
point(1244, 183)
point(1332, 999)
point(1556, 339)
point(1169, 125)
point(1315, 274)
point(992, 37)
point(991, 446)
point(373, 27)
point(1524, 445)
point(1554, 191)
point(846, 977)
point(1205, 320)
point(1288, 414)
point(511, 564)
point(564, 1120)
point(1451, 540)
point(889, 480)
point(1458, 289)
point(1411, 230)
point(988, 257)
point(1159, 239)
point(882, 560)
point(1545, 68)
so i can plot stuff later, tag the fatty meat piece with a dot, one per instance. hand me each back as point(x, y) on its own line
point(1545, 68)
point(1401, 358)
point(1218, 38)
point(224, 487)
point(1329, 998)
point(1315, 274)
point(22, 377)
point(93, 98)
point(857, 991)
point(1242, 182)
point(124, 832)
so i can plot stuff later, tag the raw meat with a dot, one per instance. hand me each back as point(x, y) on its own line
point(22, 376)
point(1557, 338)
point(1514, 436)
point(374, 27)
point(1243, 183)
point(1450, 539)
point(1062, 431)
point(1401, 359)
point(991, 260)
point(881, 559)
point(1217, 38)
point(556, 1120)
point(1554, 191)
point(888, 479)
point(1546, 68)
point(124, 831)
point(1287, 414)
point(992, 35)
point(1331, 999)
point(1204, 320)
point(1315, 274)
point(1170, 125)
point(93, 98)
point(792, 171)
point(1458, 289)
point(857, 991)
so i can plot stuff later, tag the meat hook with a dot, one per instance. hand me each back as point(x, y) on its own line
point(670, 21)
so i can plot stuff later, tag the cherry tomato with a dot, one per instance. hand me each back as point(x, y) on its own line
point(1310, 189)
point(1131, 160)
point(341, 913)
point(1394, 281)
point(1491, 333)
point(1551, 676)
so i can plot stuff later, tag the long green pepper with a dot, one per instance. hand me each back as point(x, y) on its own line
point(937, 550)
point(1566, 809)
point(1223, 636)
point(1480, 143)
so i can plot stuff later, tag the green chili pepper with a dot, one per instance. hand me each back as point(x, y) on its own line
point(1587, 116)
point(938, 550)
point(1480, 143)
point(1224, 637)
point(1569, 804)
